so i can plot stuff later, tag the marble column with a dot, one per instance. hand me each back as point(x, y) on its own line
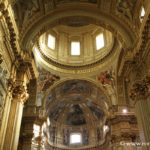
point(19, 96)
point(140, 94)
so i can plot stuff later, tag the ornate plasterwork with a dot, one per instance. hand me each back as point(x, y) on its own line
point(122, 128)
point(10, 25)
point(20, 94)
point(135, 59)
point(140, 90)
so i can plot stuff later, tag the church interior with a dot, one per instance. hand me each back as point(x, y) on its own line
point(74, 75)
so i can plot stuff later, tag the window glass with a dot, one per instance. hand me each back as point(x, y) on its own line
point(51, 41)
point(142, 14)
point(75, 48)
point(75, 138)
point(99, 41)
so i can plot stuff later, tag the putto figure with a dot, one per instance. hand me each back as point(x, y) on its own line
point(105, 77)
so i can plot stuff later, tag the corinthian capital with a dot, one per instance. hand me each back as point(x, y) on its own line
point(139, 91)
point(20, 93)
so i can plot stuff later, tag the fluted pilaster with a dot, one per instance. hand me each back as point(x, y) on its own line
point(19, 96)
point(10, 85)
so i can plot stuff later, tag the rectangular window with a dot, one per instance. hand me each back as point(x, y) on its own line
point(75, 138)
point(142, 14)
point(51, 41)
point(36, 130)
point(75, 48)
point(99, 41)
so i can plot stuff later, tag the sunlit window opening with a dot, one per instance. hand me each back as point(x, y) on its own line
point(51, 41)
point(105, 128)
point(48, 121)
point(75, 138)
point(100, 41)
point(75, 48)
point(142, 14)
point(36, 130)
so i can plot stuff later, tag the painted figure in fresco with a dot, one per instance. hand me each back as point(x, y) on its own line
point(98, 113)
point(75, 116)
point(105, 77)
point(75, 86)
point(55, 113)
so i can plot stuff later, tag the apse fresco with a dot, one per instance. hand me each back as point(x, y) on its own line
point(95, 110)
point(75, 116)
point(57, 111)
point(76, 86)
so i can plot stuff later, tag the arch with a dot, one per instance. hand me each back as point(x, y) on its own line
point(89, 80)
point(121, 30)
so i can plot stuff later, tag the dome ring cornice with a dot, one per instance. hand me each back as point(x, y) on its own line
point(76, 67)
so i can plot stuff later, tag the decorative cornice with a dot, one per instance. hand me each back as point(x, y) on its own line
point(123, 118)
point(19, 56)
point(140, 49)
point(30, 25)
point(86, 66)
point(123, 137)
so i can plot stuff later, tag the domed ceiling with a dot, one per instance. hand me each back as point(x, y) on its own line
point(86, 35)
point(92, 47)
point(37, 19)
